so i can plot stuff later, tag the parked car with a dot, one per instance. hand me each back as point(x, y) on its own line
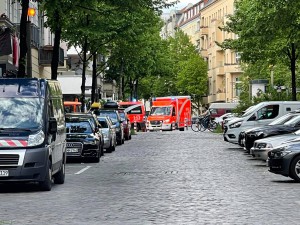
point(285, 160)
point(114, 115)
point(126, 124)
point(262, 146)
point(109, 133)
point(32, 122)
point(136, 113)
point(258, 116)
point(283, 125)
point(83, 139)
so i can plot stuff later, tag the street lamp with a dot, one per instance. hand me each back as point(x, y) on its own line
point(30, 13)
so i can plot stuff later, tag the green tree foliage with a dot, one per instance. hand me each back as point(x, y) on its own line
point(266, 30)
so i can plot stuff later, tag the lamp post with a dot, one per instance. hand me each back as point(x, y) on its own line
point(30, 13)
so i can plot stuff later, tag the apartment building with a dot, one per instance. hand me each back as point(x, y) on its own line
point(170, 24)
point(189, 22)
point(201, 22)
point(41, 41)
point(39, 57)
point(223, 65)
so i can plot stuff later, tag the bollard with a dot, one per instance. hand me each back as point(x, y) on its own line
point(135, 127)
point(186, 123)
point(160, 127)
point(173, 126)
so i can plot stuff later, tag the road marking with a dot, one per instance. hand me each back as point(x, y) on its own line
point(84, 169)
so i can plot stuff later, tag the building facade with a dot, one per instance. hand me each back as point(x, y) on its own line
point(40, 40)
point(202, 22)
point(223, 65)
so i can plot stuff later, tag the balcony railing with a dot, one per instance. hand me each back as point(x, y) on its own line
point(35, 34)
point(46, 53)
point(203, 30)
point(232, 68)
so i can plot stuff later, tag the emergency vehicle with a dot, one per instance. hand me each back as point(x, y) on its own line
point(136, 113)
point(168, 113)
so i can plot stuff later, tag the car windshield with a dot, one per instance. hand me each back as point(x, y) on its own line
point(251, 110)
point(283, 119)
point(161, 110)
point(103, 123)
point(110, 114)
point(293, 121)
point(122, 115)
point(79, 127)
point(21, 113)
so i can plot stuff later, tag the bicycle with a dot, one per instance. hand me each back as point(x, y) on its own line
point(203, 123)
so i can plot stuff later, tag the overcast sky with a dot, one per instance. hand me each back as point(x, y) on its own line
point(181, 4)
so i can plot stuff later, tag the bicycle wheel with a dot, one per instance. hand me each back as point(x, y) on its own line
point(212, 126)
point(195, 126)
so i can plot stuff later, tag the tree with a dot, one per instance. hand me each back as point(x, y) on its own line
point(266, 30)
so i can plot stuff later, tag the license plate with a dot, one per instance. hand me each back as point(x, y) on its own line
point(72, 150)
point(4, 173)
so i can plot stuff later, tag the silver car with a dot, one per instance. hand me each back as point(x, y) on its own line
point(262, 146)
point(109, 133)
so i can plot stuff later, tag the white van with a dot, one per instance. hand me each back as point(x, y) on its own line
point(259, 115)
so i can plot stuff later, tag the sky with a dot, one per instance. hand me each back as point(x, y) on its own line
point(181, 4)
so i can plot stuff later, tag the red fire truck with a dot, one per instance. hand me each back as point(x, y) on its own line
point(136, 114)
point(168, 113)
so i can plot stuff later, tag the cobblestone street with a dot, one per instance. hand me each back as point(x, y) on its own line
point(161, 178)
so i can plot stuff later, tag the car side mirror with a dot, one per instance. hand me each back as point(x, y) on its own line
point(52, 125)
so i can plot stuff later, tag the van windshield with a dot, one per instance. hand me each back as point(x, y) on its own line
point(21, 113)
point(251, 110)
point(161, 111)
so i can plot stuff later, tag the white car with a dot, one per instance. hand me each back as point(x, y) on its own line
point(262, 146)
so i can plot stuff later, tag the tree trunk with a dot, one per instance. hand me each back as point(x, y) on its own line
point(121, 81)
point(293, 71)
point(136, 89)
point(82, 97)
point(94, 81)
point(55, 56)
point(23, 39)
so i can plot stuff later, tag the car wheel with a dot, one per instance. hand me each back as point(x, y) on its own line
point(97, 158)
point(119, 142)
point(46, 184)
point(295, 169)
point(59, 178)
point(110, 148)
point(102, 150)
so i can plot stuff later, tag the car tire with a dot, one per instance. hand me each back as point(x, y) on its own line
point(46, 184)
point(97, 158)
point(59, 177)
point(295, 169)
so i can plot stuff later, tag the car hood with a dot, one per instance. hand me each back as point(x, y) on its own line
point(80, 136)
point(272, 130)
point(279, 139)
point(233, 120)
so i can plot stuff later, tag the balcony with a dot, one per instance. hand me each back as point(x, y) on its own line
point(34, 34)
point(232, 68)
point(219, 97)
point(204, 53)
point(219, 71)
point(45, 56)
point(203, 31)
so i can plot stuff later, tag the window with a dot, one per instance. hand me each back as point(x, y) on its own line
point(268, 112)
